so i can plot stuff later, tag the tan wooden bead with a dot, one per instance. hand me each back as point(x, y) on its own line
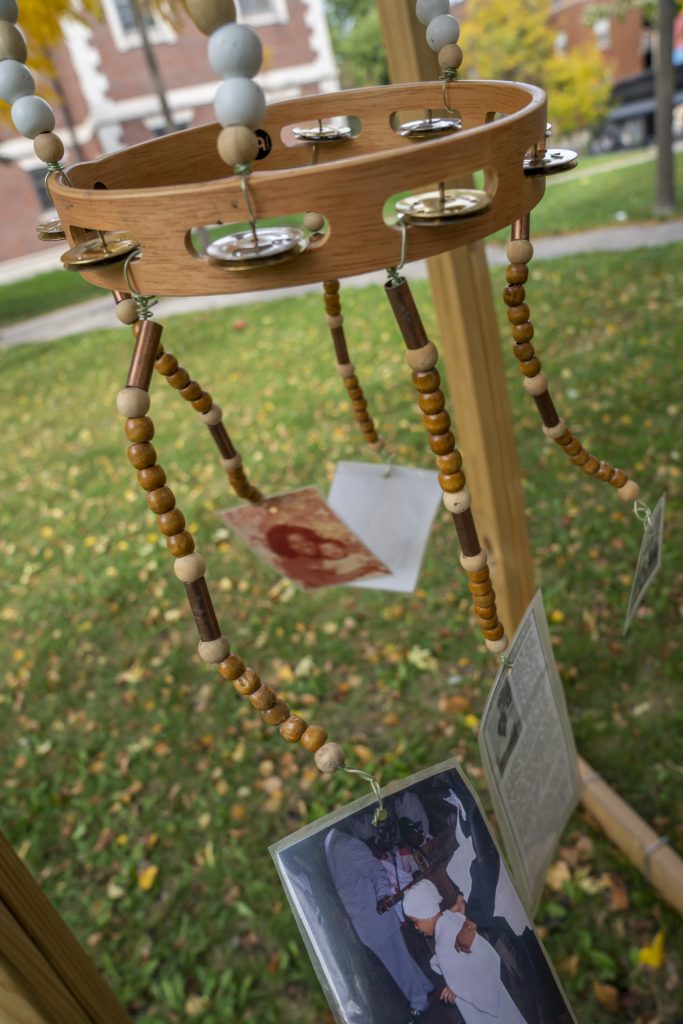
point(574, 447)
point(203, 403)
point(479, 589)
point(523, 332)
point(486, 614)
point(152, 478)
point(263, 698)
point(141, 455)
point(519, 251)
point(523, 350)
point(13, 47)
point(359, 405)
point(314, 221)
point(497, 646)
point(331, 287)
point(629, 491)
point(232, 667)
point(473, 563)
point(518, 314)
point(345, 370)
point(313, 738)
point(433, 401)
point(189, 568)
point(127, 311)
point(557, 431)
point(591, 467)
point(355, 392)
point(277, 714)
point(580, 459)
point(513, 295)
point(427, 381)
point(485, 601)
point(517, 273)
point(350, 381)
point(484, 623)
point(293, 728)
point(618, 479)
point(237, 144)
point(208, 15)
point(247, 683)
point(451, 463)
point(442, 444)
point(166, 364)
point(378, 445)
point(171, 522)
point(450, 57)
point(437, 423)
point(496, 633)
point(48, 147)
point(180, 544)
point(233, 464)
point(605, 471)
point(329, 758)
point(531, 367)
point(458, 502)
point(451, 482)
point(537, 385)
point(564, 440)
point(132, 402)
point(179, 379)
point(479, 575)
point(213, 651)
point(213, 417)
point(422, 359)
point(160, 500)
point(139, 428)
point(335, 321)
point(191, 391)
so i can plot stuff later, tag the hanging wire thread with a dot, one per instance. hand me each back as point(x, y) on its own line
point(381, 812)
point(143, 303)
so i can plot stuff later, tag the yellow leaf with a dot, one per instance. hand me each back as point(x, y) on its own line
point(472, 722)
point(194, 1005)
point(147, 876)
point(115, 891)
point(607, 996)
point(556, 615)
point(558, 874)
point(653, 955)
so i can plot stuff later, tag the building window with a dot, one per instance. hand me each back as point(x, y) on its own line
point(602, 29)
point(121, 20)
point(263, 12)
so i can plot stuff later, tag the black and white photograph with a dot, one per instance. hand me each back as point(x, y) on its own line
point(414, 919)
point(649, 561)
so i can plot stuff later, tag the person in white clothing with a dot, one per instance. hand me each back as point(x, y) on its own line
point(472, 975)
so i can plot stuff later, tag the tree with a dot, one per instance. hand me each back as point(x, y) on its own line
point(357, 42)
point(513, 40)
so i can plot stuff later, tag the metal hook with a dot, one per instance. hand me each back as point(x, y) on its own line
point(643, 514)
point(395, 272)
point(244, 170)
point(444, 92)
point(143, 303)
point(381, 812)
point(505, 661)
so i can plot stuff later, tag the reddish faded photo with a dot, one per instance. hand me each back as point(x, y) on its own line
point(302, 538)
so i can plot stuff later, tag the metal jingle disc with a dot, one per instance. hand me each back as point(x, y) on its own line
point(326, 133)
point(112, 246)
point(428, 127)
point(51, 231)
point(270, 243)
point(269, 261)
point(441, 208)
point(553, 161)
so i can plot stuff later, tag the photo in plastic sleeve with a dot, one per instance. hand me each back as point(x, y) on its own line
point(416, 919)
point(649, 561)
point(300, 536)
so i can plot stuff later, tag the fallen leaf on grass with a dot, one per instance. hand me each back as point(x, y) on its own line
point(558, 874)
point(607, 996)
point(194, 1005)
point(569, 965)
point(147, 876)
point(653, 955)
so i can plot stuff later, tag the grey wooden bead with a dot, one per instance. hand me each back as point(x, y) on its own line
point(442, 30)
point(428, 9)
point(12, 43)
point(15, 81)
point(32, 116)
point(235, 51)
point(9, 10)
point(239, 101)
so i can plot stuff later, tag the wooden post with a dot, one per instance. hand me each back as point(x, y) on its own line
point(472, 358)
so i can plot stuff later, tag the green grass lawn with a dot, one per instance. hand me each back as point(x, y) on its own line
point(119, 750)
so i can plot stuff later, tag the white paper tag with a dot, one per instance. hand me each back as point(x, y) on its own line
point(391, 509)
point(528, 753)
point(649, 560)
point(428, 895)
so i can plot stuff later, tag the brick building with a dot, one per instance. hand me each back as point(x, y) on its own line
point(104, 100)
point(624, 42)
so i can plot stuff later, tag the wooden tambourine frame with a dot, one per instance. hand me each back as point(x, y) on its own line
point(158, 191)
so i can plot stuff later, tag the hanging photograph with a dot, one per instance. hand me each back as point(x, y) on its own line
point(528, 753)
point(391, 508)
point(300, 536)
point(415, 918)
point(649, 561)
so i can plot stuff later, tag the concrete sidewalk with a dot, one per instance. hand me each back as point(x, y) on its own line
point(98, 313)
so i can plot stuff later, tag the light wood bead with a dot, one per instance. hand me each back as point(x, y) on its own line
point(557, 431)
point(127, 311)
point(519, 251)
point(141, 455)
point(139, 428)
point(422, 359)
point(151, 479)
point(459, 502)
point(263, 698)
point(213, 416)
point(314, 221)
point(345, 370)
point(208, 15)
point(189, 568)
point(180, 544)
point(450, 57)
point(213, 651)
point(329, 758)
point(12, 44)
point(161, 500)
point(48, 147)
point(537, 385)
point(232, 667)
point(334, 322)
point(132, 402)
point(629, 492)
point(497, 646)
point(233, 464)
point(276, 715)
point(313, 738)
point(237, 144)
point(171, 523)
point(473, 563)
point(293, 728)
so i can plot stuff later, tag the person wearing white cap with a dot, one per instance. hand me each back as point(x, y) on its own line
point(472, 975)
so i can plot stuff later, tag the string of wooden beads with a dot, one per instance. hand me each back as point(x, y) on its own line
point(133, 402)
point(422, 356)
point(443, 32)
point(345, 368)
point(235, 53)
point(519, 254)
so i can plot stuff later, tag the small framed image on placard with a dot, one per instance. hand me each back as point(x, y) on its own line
point(391, 508)
point(649, 560)
point(416, 919)
point(528, 752)
point(300, 536)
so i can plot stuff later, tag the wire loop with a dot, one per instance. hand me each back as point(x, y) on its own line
point(447, 80)
point(381, 812)
point(643, 513)
point(143, 303)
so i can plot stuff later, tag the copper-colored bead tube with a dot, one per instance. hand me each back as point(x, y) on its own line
point(202, 609)
point(407, 317)
point(144, 354)
point(467, 532)
point(222, 441)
